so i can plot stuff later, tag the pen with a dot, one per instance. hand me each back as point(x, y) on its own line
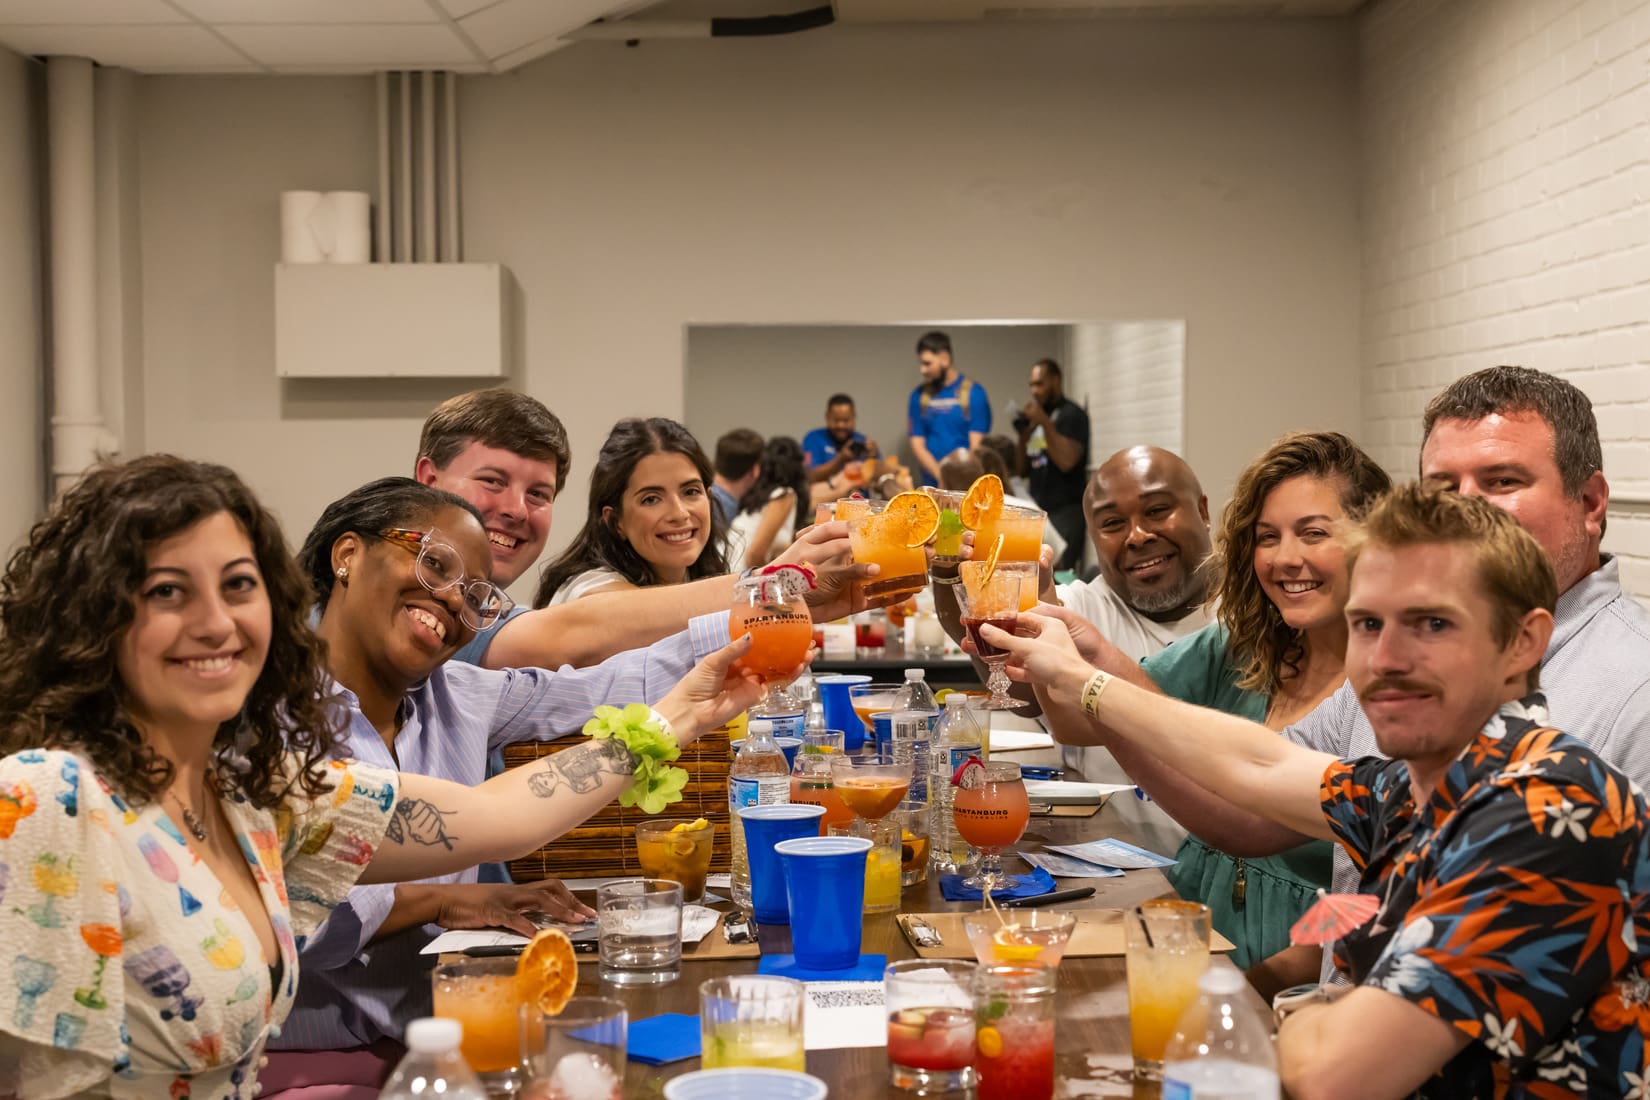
point(1048, 899)
point(1039, 772)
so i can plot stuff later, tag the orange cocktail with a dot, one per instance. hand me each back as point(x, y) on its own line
point(677, 850)
point(482, 995)
point(820, 790)
point(991, 812)
point(868, 699)
point(871, 788)
point(892, 537)
point(772, 608)
point(1021, 529)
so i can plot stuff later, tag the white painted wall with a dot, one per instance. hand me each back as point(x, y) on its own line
point(1507, 164)
point(1131, 376)
point(1123, 169)
point(22, 407)
point(776, 379)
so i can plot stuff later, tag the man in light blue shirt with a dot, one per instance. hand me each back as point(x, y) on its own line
point(948, 412)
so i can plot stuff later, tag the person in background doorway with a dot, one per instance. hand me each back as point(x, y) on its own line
point(738, 463)
point(947, 411)
point(1054, 452)
point(830, 449)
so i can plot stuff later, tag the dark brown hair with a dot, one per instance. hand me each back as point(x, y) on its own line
point(1501, 390)
point(599, 544)
point(499, 418)
point(68, 597)
point(1266, 650)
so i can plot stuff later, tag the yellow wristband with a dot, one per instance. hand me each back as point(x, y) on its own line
point(1092, 691)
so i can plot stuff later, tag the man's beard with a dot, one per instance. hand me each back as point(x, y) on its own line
point(1155, 601)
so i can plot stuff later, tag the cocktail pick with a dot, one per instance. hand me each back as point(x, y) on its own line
point(1333, 916)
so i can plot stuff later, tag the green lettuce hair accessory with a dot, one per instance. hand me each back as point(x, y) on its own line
point(657, 782)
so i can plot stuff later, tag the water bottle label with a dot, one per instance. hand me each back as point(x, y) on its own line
point(955, 756)
point(787, 725)
point(773, 790)
point(743, 792)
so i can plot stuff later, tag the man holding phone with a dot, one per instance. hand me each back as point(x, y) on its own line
point(828, 449)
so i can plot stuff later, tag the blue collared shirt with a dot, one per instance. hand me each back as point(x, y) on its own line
point(351, 994)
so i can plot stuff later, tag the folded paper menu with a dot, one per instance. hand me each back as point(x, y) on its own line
point(1099, 933)
point(1061, 792)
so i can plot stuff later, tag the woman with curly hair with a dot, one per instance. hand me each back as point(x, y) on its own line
point(173, 833)
point(1276, 651)
point(649, 520)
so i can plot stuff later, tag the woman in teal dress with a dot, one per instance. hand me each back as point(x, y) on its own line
point(1276, 651)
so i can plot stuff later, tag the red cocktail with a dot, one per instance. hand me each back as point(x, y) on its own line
point(1014, 1059)
point(940, 1039)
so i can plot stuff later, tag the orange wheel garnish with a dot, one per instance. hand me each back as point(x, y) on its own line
point(1010, 946)
point(922, 517)
point(982, 503)
point(547, 971)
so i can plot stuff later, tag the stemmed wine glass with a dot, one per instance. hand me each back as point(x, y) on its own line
point(991, 811)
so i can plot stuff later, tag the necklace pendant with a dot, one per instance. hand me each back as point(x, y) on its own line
point(197, 828)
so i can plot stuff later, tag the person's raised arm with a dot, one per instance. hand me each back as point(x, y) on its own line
point(438, 827)
point(1064, 451)
point(919, 451)
point(760, 550)
point(1345, 1049)
point(1238, 760)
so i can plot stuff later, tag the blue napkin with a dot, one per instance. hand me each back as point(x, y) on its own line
point(869, 968)
point(1023, 886)
point(669, 1037)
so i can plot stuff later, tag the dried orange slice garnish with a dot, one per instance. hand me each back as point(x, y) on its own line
point(922, 517)
point(547, 971)
point(982, 503)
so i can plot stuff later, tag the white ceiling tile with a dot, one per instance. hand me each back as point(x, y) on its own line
point(54, 12)
point(387, 46)
point(528, 53)
point(142, 48)
point(458, 9)
point(513, 24)
point(309, 11)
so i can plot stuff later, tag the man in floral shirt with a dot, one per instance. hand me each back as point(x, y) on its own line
point(1509, 862)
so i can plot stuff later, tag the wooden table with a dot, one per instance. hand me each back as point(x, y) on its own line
point(1092, 1035)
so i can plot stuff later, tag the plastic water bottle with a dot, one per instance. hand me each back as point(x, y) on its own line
point(813, 708)
point(956, 738)
point(915, 695)
point(758, 777)
point(783, 711)
point(1222, 1048)
point(432, 1066)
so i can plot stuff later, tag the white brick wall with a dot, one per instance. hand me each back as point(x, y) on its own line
point(1506, 219)
point(1131, 376)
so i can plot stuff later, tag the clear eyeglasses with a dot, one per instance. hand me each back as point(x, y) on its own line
point(439, 568)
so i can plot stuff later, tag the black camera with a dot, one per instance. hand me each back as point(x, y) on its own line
point(855, 449)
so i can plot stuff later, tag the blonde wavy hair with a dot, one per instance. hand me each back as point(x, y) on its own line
point(1266, 650)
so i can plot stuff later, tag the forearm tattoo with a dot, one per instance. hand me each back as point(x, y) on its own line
point(420, 822)
point(582, 769)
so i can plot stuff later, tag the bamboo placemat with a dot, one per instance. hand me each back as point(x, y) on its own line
point(1099, 933)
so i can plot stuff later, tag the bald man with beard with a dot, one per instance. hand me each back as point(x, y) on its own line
point(1148, 518)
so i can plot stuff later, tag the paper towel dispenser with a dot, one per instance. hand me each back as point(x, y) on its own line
point(390, 320)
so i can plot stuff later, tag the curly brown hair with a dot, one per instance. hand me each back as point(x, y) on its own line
point(69, 595)
point(1266, 650)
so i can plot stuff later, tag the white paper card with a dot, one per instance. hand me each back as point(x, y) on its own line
point(1064, 866)
point(697, 922)
point(844, 1014)
point(1113, 853)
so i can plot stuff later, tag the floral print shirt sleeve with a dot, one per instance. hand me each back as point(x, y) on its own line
point(134, 973)
point(1509, 904)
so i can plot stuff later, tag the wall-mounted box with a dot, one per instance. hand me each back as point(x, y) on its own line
point(390, 320)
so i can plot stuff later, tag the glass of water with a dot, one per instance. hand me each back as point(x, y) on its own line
point(639, 928)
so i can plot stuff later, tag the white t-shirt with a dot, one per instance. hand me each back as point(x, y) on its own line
point(1138, 637)
point(744, 526)
point(583, 584)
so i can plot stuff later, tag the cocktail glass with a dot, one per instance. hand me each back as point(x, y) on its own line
point(912, 819)
point(771, 609)
point(849, 507)
point(867, 699)
point(990, 596)
point(1026, 571)
point(991, 811)
point(1014, 1034)
point(931, 1016)
point(751, 1020)
point(577, 1054)
point(814, 782)
point(677, 851)
point(870, 786)
point(1019, 936)
point(1022, 532)
point(948, 543)
point(882, 862)
point(639, 930)
point(1166, 950)
point(481, 994)
point(881, 537)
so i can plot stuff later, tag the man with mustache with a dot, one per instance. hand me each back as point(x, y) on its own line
point(1508, 858)
point(1528, 443)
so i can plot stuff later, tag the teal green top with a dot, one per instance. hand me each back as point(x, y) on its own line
point(1252, 902)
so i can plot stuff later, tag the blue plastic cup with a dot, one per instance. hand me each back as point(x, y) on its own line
point(790, 746)
point(745, 1083)
point(825, 880)
point(766, 826)
point(839, 708)
point(882, 722)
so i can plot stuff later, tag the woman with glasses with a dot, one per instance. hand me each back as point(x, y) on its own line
point(173, 830)
point(399, 571)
